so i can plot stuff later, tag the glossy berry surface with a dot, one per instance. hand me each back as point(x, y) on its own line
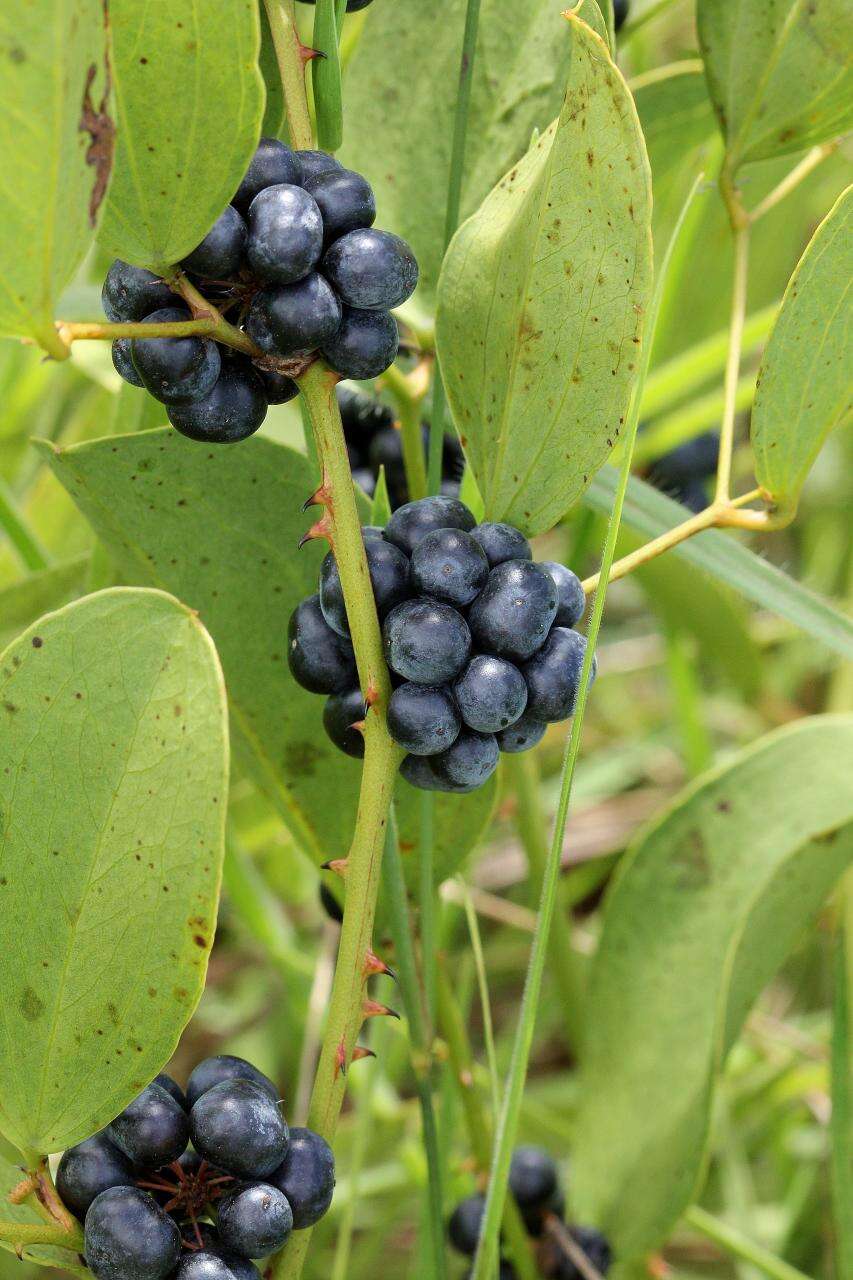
point(514, 612)
point(491, 693)
point(418, 772)
point(221, 251)
point(522, 735)
point(412, 522)
point(291, 318)
point(449, 565)
point(278, 388)
point(571, 601)
point(535, 1184)
point(152, 1130)
point(423, 719)
point(210, 1264)
point(502, 542)
point(88, 1169)
point(175, 370)
point(426, 641)
point(371, 269)
point(173, 1088)
point(123, 362)
point(238, 1127)
point(131, 293)
point(340, 713)
point(346, 201)
point(313, 163)
point(232, 410)
point(223, 1067)
point(307, 1177)
point(364, 346)
point(389, 578)
point(128, 1237)
point(285, 234)
point(272, 163)
point(553, 675)
point(319, 659)
point(254, 1220)
point(465, 1222)
point(469, 763)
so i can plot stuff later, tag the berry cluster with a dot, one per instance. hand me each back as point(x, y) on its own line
point(478, 639)
point(153, 1206)
point(373, 441)
point(534, 1182)
point(296, 257)
point(683, 473)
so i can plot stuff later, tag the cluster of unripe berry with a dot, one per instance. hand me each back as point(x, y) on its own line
point(479, 642)
point(534, 1183)
point(296, 257)
point(155, 1207)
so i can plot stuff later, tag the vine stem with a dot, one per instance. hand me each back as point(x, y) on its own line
point(291, 66)
point(740, 231)
point(736, 1243)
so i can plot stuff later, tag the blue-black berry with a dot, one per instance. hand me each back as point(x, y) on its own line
point(411, 523)
point(221, 251)
point(365, 344)
point(175, 370)
point(313, 163)
point(285, 234)
point(514, 612)
point(129, 1237)
point(294, 318)
point(571, 600)
point(319, 659)
point(502, 542)
point(307, 1177)
point(423, 718)
point(389, 578)
point(340, 713)
point(553, 675)
point(232, 410)
point(522, 735)
point(131, 293)
point(491, 693)
point(346, 201)
point(449, 565)
point(426, 641)
point(469, 762)
point(465, 1224)
point(237, 1126)
point(223, 1067)
point(254, 1220)
point(370, 269)
point(272, 163)
point(90, 1168)
point(211, 1264)
point(152, 1130)
point(123, 362)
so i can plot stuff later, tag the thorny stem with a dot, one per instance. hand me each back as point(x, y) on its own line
point(291, 66)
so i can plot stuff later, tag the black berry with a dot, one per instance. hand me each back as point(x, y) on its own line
point(491, 693)
point(123, 362)
point(221, 251)
point(129, 1237)
point(294, 318)
point(237, 1126)
point(411, 523)
point(571, 601)
point(285, 234)
point(340, 713)
point(212, 1071)
point(449, 565)
point(514, 612)
point(152, 1130)
point(553, 675)
point(130, 293)
point(465, 1224)
point(423, 718)
point(389, 578)
point(365, 344)
point(232, 410)
point(307, 1177)
point(211, 1264)
point(319, 659)
point(426, 641)
point(522, 735)
point(175, 370)
point(371, 269)
point(502, 542)
point(271, 164)
point(313, 163)
point(469, 762)
point(255, 1220)
point(346, 201)
point(88, 1169)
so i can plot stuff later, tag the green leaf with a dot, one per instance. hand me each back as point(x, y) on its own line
point(112, 806)
point(274, 123)
point(380, 506)
point(542, 300)
point(519, 72)
point(23, 601)
point(53, 54)
point(43, 1255)
point(720, 554)
point(190, 101)
point(706, 906)
point(219, 529)
point(779, 73)
point(803, 389)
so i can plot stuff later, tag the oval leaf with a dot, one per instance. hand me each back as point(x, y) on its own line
point(56, 148)
point(779, 72)
point(190, 100)
point(112, 800)
point(804, 382)
point(542, 299)
point(706, 906)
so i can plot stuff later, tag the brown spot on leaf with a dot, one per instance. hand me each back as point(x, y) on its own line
point(98, 123)
point(30, 1005)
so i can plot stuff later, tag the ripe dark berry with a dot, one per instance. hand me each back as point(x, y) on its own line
point(237, 1126)
point(346, 201)
point(389, 577)
point(571, 601)
point(224, 1067)
point(426, 641)
point(371, 269)
point(372, 531)
point(506, 1271)
point(553, 675)
point(534, 1182)
point(278, 388)
point(255, 1220)
point(221, 251)
point(465, 1224)
point(449, 565)
point(365, 345)
point(620, 12)
point(469, 763)
point(152, 1130)
point(522, 735)
point(88, 1169)
point(129, 1237)
point(513, 613)
point(319, 659)
point(173, 1088)
point(285, 234)
point(412, 522)
point(365, 479)
point(418, 772)
point(386, 450)
point(211, 1264)
point(596, 1248)
point(682, 472)
point(123, 362)
point(502, 542)
point(307, 1177)
point(232, 410)
point(175, 370)
point(271, 164)
point(491, 693)
point(294, 318)
point(341, 712)
point(423, 718)
point(129, 293)
point(313, 163)
point(333, 910)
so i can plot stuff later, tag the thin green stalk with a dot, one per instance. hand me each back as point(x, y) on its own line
point(740, 280)
point(427, 897)
point(291, 66)
point(404, 953)
point(841, 1129)
point(507, 1128)
point(687, 703)
point(30, 551)
point(740, 1246)
point(451, 219)
point(326, 73)
point(363, 1123)
point(483, 988)
point(688, 420)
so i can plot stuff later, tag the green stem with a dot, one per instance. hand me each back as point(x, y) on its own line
point(22, 1234)
point(841, 1128)
point(404, 954)
point(687, 703)
point(288, 51)
point(426, 850)
point(30, 551)
point(740, 232)
point(483, 989)
point(451, 219)
point(740, 1246)
point(211, 327)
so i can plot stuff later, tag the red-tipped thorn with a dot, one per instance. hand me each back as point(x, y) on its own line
point(319, 498)
point(373, 965)
point(340, 866)
point(373, 1009)
point(371, 696)
point(360, 1052)
point(341, 1059)
point(322, 529)
point(307, 54)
